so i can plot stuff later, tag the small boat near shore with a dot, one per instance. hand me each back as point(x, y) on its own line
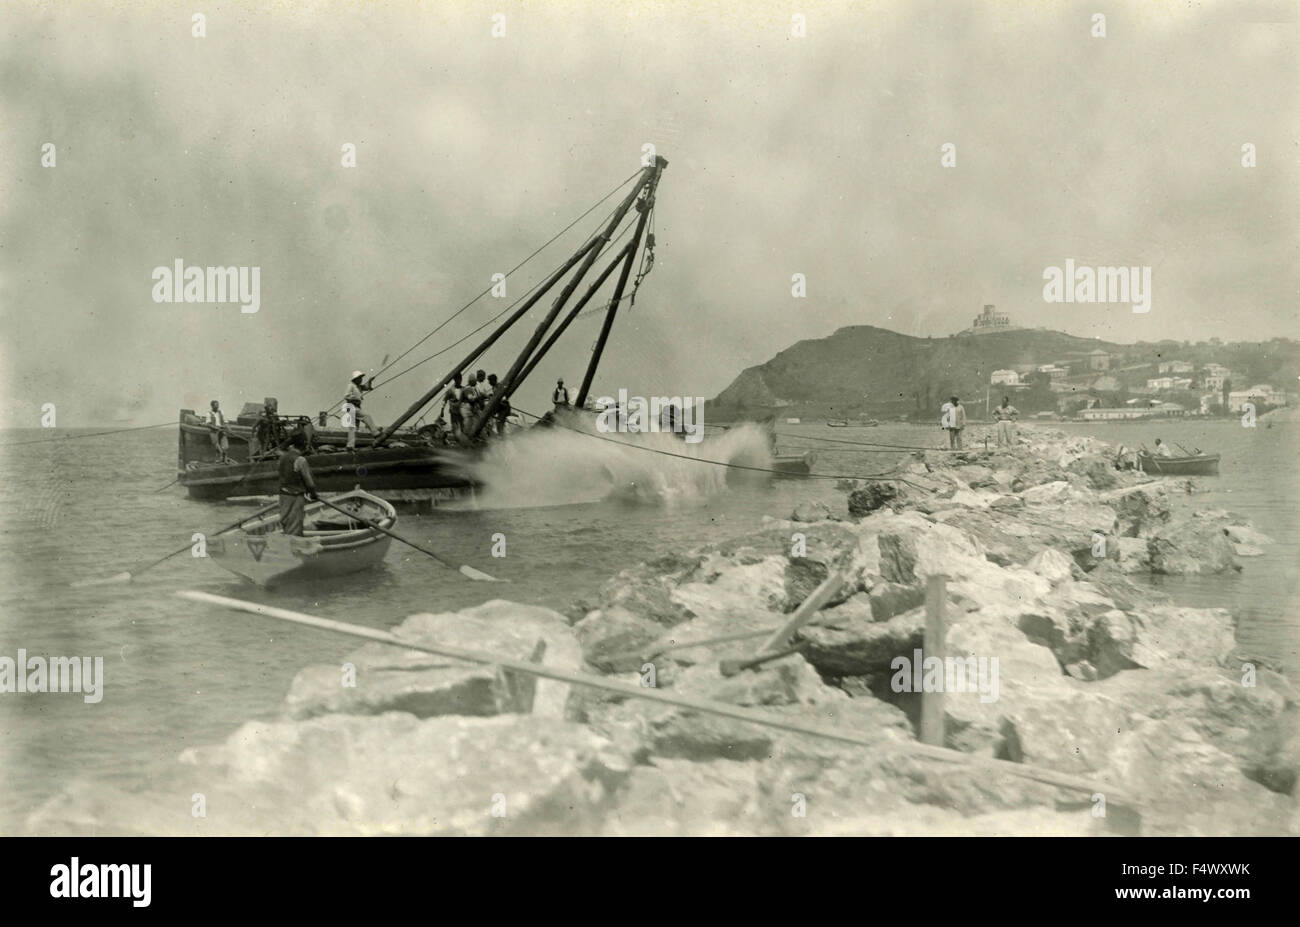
point(852, 423)
point(331, 545)
point(1189, 465)
point(788, 466)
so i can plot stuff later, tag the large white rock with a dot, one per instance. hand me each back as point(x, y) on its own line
point(389, 678)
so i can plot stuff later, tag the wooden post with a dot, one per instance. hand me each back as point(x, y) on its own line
point(936, 629)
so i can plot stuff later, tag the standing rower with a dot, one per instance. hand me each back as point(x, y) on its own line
point(561, 396)
point(296, 484)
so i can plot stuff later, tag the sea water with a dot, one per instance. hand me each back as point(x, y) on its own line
point(568, 511)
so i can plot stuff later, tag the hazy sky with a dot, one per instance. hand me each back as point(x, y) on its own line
point(817, 155)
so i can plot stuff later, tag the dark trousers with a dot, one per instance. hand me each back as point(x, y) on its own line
point(291, 513)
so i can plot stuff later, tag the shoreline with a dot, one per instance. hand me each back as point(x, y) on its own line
point(1099, 677)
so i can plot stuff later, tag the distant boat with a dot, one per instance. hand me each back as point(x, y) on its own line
point(792, 421)
point(792, 465)
point(1190, 465)
point(852, 423)
point(331, 545)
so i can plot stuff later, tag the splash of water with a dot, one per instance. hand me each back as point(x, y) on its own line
point(561, 466)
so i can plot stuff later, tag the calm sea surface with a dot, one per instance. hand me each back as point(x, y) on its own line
point(573, 510)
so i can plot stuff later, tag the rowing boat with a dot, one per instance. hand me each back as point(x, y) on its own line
point(1190, 465)
point(331, 544)
point(856, 423)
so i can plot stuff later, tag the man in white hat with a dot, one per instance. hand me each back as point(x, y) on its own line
point(352, 413)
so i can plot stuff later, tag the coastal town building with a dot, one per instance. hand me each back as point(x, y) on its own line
point(1004, 378)
point(1098, 360)
point(1159, 410)
point(1054, 371)
point(1260, 393)
point(1176, 366)
point(1169, 383)
point(1213, 376)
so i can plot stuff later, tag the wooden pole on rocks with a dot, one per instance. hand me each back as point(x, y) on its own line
point(707, 706)
point(936, 630)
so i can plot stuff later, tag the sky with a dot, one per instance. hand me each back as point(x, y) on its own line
point(818, 154)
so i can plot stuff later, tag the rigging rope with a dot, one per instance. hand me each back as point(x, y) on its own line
point(523, 296)
point(901, 447)
point(96, 434)
point(604, 249)
point(728, 464)
point(551, 241)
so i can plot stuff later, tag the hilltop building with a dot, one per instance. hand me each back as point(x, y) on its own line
point(1004, 378)
point(1176, 366)
point(1098, 360)
point(989, 321)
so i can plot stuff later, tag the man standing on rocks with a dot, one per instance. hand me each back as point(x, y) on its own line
point(953, 419)
point(1004, 415)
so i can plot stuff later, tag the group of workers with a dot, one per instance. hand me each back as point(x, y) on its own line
point(466, 400)
point(953, 420)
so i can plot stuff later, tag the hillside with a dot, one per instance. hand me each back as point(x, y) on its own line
point(869, 369)
point(865, 369)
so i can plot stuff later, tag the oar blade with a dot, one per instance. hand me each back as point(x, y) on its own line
point(479, 575)
point(123, 577)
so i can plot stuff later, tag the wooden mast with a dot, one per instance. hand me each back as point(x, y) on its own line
point(573, 314)
point(649, 177)
point(485, 344)
point(614, 300)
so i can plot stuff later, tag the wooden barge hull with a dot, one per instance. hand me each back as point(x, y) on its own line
point(380, 471)
point(411, 472)
point(196, 440)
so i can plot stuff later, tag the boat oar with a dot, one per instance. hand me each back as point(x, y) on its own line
point(127, 575)
point(463, 569)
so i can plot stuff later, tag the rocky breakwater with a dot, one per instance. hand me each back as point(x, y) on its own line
point(1074, 668)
